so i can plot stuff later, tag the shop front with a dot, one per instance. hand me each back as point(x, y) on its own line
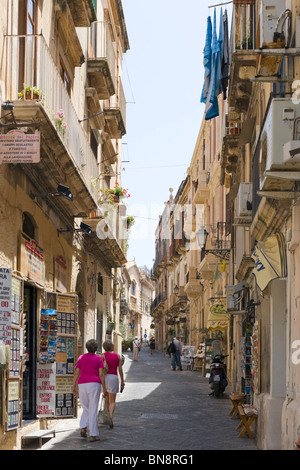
point(38, 339)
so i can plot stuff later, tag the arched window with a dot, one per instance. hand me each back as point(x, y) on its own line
point(29, 226)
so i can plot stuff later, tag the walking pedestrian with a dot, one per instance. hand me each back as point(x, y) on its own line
point(89, 377)
point(152, 345)
point(176, 355)
point(136, 348)
point(114, 362)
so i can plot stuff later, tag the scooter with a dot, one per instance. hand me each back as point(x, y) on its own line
point(218, 378)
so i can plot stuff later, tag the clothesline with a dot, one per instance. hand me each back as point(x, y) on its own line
point(220, 4)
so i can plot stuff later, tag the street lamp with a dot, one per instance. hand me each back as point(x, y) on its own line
point(202, 235)
point(61, 191)
point(176, 290)
point(83, 228)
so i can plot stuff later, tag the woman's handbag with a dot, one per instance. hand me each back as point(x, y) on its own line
point(103, 415)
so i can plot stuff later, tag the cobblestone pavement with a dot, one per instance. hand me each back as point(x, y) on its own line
point(160, 409)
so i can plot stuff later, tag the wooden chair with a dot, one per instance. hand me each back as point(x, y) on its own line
point(237, 399)
point(248, 416)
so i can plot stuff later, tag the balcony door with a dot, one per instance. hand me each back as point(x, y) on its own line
point(27, 43)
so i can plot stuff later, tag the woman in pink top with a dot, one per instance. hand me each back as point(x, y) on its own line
point(114, 362)
point(89, 375)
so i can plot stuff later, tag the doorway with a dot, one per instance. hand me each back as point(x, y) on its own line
point(30, 343)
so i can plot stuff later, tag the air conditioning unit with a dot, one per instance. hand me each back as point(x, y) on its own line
point(230, 298)
point(244, 200)
point(270, 11)
point(291, 153)
point(234, 295)
point(277, 131)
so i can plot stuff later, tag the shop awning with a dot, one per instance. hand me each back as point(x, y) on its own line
point(270, 260)
point(218, 318)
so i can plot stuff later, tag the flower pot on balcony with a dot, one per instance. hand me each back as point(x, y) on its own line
point(30, 93)
point(116, 198)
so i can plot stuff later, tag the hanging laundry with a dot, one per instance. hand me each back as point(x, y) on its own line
point(207, 61)
point(212, 106)
point(224, 55)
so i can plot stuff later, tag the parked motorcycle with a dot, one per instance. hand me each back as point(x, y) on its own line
point(218, 376)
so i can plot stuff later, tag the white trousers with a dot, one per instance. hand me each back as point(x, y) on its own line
point(89, 395)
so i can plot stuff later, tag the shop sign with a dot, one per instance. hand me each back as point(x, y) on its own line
point(218, 319)
point(18, 147)
point(32, 262)
point(269, 259)
point(66, 304)
point(45, 405)
point(5, 305)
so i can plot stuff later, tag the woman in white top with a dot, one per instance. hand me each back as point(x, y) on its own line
point(136, 347)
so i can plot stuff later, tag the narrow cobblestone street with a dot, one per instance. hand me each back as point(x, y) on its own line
point(160, 410)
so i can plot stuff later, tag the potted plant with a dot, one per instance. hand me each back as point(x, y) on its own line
point(29, 93)
point(195, 183)
point(129, 221)
point(61, 125)
point(118, 192)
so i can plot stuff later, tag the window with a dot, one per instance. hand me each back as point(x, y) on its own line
point(132, 288)
point(28, 226)
point(100, 283)
point(94, 144)
point(65, 77)
point(31, 17)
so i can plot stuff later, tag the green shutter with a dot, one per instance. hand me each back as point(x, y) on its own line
point(95, 5)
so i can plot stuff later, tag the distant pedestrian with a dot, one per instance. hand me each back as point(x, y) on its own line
point(152, 345)
point(136, 348)
point(176, 355)
point(114, 362)
point(89, 377)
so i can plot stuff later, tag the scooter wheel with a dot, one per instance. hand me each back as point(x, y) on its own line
point(216, 390)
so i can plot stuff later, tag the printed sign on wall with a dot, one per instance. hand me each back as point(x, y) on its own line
point(18, 147)
point(5, 305)
point(45, 405)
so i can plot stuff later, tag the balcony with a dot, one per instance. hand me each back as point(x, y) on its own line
point(200, 188)
point(101, 62)
point(133, 304)
point(107, 246)
point(67, 33)
point(83, 12)
point(243, 58)
point(218, 241)
point(66, 156)
point(115, 113)
point(193, 287)
point(177, 302)
point(230, 152)
point(158, 304)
